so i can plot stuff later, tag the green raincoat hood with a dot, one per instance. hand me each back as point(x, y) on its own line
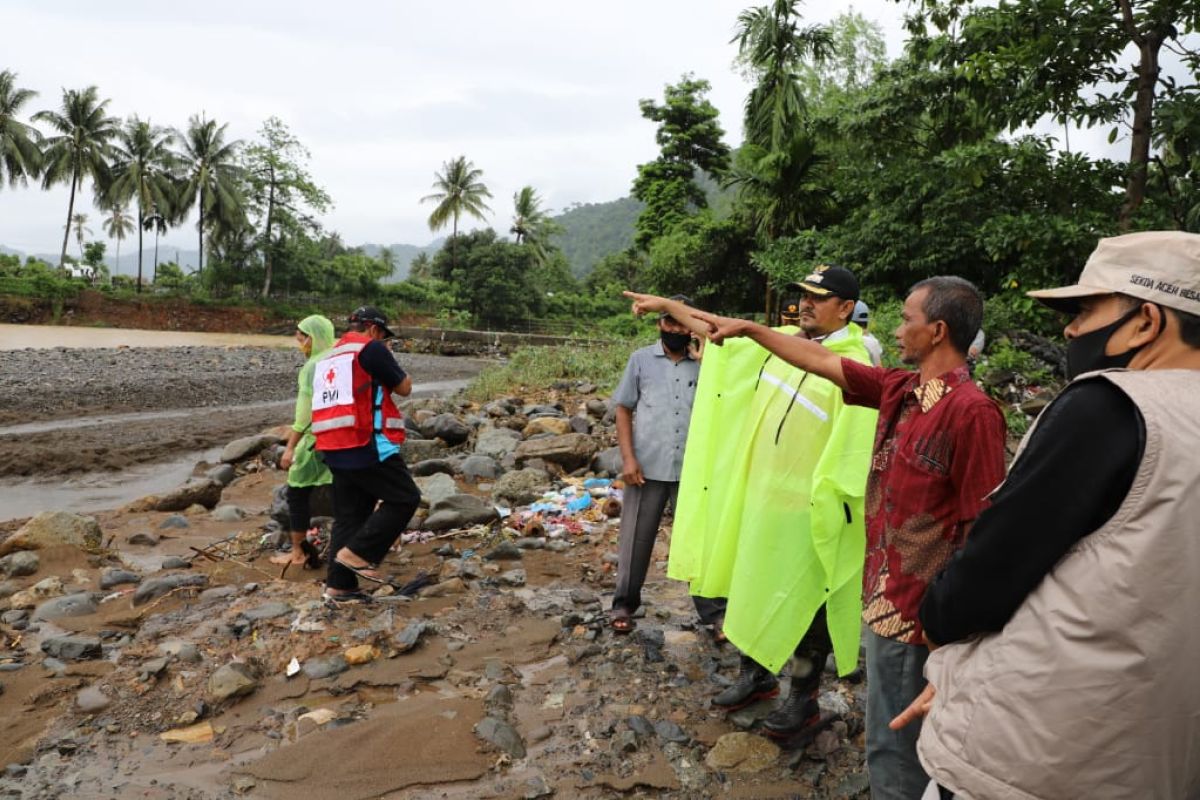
point(321, 331)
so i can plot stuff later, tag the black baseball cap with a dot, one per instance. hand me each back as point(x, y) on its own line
point(824, 281)
point(682, 298)
point(371, 314)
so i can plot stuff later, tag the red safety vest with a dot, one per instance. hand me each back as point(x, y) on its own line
point(343, 405)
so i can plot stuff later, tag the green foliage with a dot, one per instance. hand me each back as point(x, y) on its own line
point(20, 155)
point(772, 47)
point(708, 260)
point(492, 278)
point(170, 276)
point(689, 136)
point(1003, 357)
point(93, 254)
point(542, 366)
point(212, 181)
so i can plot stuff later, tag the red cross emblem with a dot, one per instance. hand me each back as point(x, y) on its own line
point(329, 376)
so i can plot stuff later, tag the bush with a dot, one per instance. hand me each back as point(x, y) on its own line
point(539, 367)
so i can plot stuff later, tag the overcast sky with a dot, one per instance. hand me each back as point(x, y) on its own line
point(382, 93)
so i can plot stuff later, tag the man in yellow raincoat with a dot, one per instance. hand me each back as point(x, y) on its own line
point(771, 505)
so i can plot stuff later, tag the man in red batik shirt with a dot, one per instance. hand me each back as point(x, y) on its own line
point(939, 451)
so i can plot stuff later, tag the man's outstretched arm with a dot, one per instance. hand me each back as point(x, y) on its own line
point(680, 312)
point(806, 354)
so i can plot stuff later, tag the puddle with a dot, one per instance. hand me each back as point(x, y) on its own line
point(95, 491)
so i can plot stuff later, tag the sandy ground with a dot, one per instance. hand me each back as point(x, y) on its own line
point(65, 411)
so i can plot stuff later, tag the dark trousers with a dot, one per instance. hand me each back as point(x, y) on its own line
point(367, 531)
point(299, 507)
point(810, 656)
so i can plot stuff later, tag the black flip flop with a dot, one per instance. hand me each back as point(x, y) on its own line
point(362, 572)
point(622, 623)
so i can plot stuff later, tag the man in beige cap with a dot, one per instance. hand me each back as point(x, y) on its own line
point(1069, 618)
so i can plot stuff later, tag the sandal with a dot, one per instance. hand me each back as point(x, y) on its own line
point(363, 572)
point(622, 622)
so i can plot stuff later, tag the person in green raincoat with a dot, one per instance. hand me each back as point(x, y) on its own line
point(770, 509)
point(314, 335)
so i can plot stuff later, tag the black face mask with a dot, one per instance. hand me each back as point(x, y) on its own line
point(1086, 353)
point(675, 342)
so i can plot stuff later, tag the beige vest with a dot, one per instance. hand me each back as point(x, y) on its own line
point(1092, 690)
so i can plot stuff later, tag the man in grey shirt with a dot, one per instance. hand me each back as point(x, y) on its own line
point(654, 407)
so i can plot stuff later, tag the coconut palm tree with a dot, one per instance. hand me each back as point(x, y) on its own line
point(531, 223)
point(118, 224)
point(20, 157)
point(211, 176)
point(459, 191)
point(79, 222)
point(158, 223)
point(143, 170)
point(772, 45)
point(81, 148)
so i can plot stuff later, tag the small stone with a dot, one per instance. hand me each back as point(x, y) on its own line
point(625, 742)
point(536, 787)
point(501, 735)
point(505, 551)
point(243, 784)
point(193, 734)
point(407, 639)
point(361, 654)
point(530, 543)
point(52, 528)
point(19, 564)
point(73, 605)
point(432, 466)
point(217, 593)
point(227, 514)
point(72, 647)
point(175, 521)
point(175, 562)
point(117, 577)
point(444, 588)
point(477, 467)
point(177, 648)
point(222, 474)
point(640, 726)
point(91, 700)
point(267, 611)
point(231, 680)
point(326, 667)
point(668, 731)
point(241, 449)
point(154, 667)
point(157, 587)
point(513, 577)
point(499, 698)
point(742, 752)
point(14, 617)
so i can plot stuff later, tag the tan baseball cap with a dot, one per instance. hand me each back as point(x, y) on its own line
point(1156, 266)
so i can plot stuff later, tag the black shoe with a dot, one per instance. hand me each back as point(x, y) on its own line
point(797, 713)
point(753, 683)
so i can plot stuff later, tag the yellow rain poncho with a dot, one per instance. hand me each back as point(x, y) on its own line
point(307, 469)
point(771, 499)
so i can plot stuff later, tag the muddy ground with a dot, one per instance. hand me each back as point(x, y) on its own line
point(500, 679)
point(210, 395)
point(581, 712)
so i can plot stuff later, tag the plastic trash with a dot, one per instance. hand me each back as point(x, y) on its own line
point(579, 503)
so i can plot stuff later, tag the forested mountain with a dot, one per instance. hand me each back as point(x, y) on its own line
point(402, 255)
point(591, 231)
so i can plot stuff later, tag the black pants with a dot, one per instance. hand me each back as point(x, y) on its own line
point(369, 532)
point(300, 507)
point(811, 655)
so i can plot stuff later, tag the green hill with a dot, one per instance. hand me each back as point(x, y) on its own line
point(590, 231)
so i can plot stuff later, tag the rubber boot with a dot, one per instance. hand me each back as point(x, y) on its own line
point(798, 712)
point(753, 683)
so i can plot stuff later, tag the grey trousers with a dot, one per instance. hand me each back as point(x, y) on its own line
point(895, 676)
point(641, 514)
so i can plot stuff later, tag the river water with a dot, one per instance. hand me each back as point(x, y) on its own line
point(20, 337)
point(102, 490)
